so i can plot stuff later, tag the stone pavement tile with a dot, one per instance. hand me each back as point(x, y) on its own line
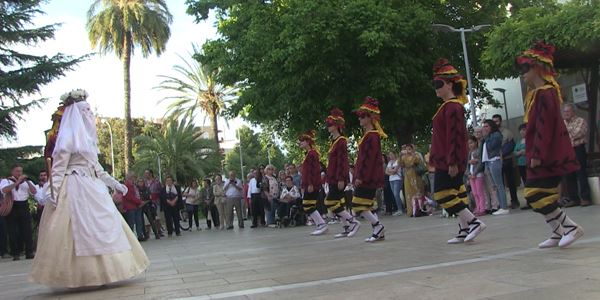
point(233, 270)
point(162, 272)
point(582, 290)
point(101, 293)
point(193, 268)
point(168, 295)
point(180, 275)
point(154, 283)
point(248, 276)
point(233, 287)
point(184, 286)
point(200, 278)
point(564, 276)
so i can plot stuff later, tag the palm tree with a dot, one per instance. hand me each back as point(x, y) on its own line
point(119, 26)
point(195, 88)
point(182, 150)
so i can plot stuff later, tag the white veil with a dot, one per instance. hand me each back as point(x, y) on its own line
point(77, 132)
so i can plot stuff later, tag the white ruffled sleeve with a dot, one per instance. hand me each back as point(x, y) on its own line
point(106, 178)
point(60, 162)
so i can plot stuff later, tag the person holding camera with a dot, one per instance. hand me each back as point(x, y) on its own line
point(233, 200)
point(19, 219)
point(171, 203)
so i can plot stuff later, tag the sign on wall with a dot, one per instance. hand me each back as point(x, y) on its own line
point(579, 93)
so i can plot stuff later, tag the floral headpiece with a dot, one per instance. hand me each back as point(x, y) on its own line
point(308, 136)
point(73, 97)
point(336, 118)
point(540, 54)
point(371, 107)
point(443, 70)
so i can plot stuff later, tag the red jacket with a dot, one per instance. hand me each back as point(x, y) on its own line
point(449, 139)
point(311, 171)
point(131, 200)
point(369, 164)
point(547, 138)
point(337, 168)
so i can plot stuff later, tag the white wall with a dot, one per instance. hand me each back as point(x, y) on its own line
point(514, 99)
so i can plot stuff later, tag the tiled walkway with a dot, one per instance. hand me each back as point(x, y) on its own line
point(413, 263)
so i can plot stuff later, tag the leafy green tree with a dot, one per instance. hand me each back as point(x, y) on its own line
point(254, 152)
point(22, 74)
point(120, 27)
point(183, 152)
point(139, 127)
point(30, 157)
point(298, 59)
point(577, 45)
point(194, 88)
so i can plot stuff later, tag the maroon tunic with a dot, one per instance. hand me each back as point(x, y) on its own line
point(338, 167)
point(311, 170)
point(369, 164)
point(547, 138)
point(449, 138)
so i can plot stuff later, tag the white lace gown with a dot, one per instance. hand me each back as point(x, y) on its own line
point(84, 240)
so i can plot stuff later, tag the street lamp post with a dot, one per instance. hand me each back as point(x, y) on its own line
point(269, 153)
point(112, 147)
point(241, 157)
point(159, 169)
point(448, 28)
point(503, 91)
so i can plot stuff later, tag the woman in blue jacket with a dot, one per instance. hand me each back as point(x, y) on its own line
point(491, 156)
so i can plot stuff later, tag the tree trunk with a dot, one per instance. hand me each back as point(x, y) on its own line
point(592, 94)
point(215, 127)
point(127, 99)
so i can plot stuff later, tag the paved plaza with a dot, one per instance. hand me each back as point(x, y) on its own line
point(413, 263)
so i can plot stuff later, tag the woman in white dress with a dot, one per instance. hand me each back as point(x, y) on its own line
point(83, 239)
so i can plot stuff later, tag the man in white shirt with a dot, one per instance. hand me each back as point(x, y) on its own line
point(233, 199)
point(40, 196)
point(19, 219)
point(395, 177)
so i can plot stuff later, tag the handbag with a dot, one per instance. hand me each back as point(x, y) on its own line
point(420, 169)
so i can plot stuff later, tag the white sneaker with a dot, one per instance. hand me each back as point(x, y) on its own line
point(475, 228)
point(570, 236)
point(398, 213)
point(343, 233)
point(549, 243)
point(501, 211)
point(272, 226)
point(353, 228)
point(378, 234)
point(322, 228)
point(456, 240)
point(460, 238)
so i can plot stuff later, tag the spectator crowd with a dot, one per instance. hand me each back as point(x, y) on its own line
point(268, 197)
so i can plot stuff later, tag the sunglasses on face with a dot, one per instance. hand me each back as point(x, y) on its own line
point(523, 68)
point(438, 84)
point(361, 115)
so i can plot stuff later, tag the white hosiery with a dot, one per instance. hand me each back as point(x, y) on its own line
point(316, 217)
point(466, 216)
point(567, 222)
point(370, 216)
point(346, 217)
